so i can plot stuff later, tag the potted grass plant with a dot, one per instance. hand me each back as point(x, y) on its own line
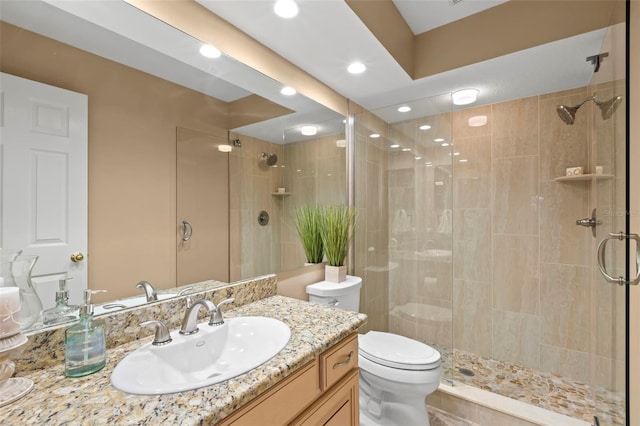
point(337, 224)
point(307, 220)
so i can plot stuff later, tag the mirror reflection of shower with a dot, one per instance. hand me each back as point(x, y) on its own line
point(607, 108)
point(271, 159)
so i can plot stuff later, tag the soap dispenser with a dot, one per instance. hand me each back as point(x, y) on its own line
point(62, 312)
point(85, 342)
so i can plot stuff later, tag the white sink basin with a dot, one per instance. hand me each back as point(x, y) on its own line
point(213, 355)
point(128, 303)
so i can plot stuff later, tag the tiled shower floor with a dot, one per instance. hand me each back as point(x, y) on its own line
point(559, 394)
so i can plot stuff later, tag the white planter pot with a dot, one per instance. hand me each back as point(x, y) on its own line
point(335, 274)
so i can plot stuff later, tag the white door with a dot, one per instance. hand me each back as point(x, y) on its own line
point(43, 154)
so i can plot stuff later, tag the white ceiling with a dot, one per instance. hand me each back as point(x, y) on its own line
point(304, 41)
point(116, 30)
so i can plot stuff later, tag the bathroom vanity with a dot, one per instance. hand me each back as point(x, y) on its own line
point(313, 380)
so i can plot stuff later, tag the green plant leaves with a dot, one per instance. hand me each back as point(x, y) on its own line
point(307, 220)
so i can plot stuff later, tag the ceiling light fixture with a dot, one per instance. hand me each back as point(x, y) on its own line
point(464, 96)
point(418, 157)
point(209, 51)
point(463, 160)
point(309, 130)
point(395, 145)
point(425, 127)
point(285, 8)
point(356, 68)
point(437, 140)
point(374, 135)
point(406, 149)
point(477, 120)
point(288, 91)
point(445, 144)
point(404, 109)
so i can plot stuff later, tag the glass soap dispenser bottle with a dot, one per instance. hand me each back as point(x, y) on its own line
point(62, 312)
point(85, 342)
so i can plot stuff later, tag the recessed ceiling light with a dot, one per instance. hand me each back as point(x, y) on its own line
point(309, 130)
point(288, 91)
point(425, 127)
point(286, 8)
point(224, 148)
point(428, 164)
point(463, 160)
point(209, 51)
point(395, 145)
point(374, 135)
point(418, 157)
point(464, 96)
point(445, 144)
point(477, 120)
point(456, 153)
point(438, 140)
point(404, 109)
point(406, 149)
point(356, 68)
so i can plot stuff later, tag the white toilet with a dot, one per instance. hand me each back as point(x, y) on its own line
point(396, 373)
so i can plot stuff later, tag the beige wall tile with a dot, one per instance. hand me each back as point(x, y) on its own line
point(516, 284)
point(562, 204)
point(515, 195)
point(515, 128)
point(516, 337)
point(565, 296)
point(565, 362)
point(472, 178)
point(472, 317)
point(472, 244)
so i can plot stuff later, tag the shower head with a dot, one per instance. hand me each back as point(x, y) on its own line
point(568, 113)
point(608, 108)
point(271, 159)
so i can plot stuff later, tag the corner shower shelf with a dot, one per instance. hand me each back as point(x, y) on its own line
point(582, 177)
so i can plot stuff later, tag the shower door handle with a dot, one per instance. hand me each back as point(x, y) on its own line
point(601, 259)
point(187, 231)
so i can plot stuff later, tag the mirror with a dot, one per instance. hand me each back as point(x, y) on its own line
point(144, 82)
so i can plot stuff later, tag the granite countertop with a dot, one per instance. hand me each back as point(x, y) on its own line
point(59, 400)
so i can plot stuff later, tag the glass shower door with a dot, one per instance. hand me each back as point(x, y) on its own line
point(610, 275)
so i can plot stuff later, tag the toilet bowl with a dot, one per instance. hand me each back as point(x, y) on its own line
point(396, 372)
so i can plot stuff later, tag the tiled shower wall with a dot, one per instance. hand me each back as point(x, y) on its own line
point(520, 285)
point(312, 172)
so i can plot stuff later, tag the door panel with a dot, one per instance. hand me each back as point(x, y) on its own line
point(44, 181)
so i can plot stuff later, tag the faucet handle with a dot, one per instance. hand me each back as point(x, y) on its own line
point(162, 336)
point(216, 314)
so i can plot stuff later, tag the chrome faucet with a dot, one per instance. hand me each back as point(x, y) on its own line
point(149, 291)
point(216, 314)
point(190, 321)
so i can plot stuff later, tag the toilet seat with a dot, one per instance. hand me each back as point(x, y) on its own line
point(392, 350)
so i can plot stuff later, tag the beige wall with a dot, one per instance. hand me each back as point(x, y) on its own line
point(132, 155)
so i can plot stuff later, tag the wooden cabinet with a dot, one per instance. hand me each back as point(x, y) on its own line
point(323, 392)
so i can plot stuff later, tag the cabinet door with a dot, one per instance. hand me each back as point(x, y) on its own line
point(282, 403)
point(337, 407)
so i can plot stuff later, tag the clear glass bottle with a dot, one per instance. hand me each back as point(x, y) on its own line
point(85, 342)
point(62, 312)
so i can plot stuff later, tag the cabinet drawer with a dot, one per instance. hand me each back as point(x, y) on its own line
point(338, 361)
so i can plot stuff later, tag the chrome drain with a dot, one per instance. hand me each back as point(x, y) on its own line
point(466, 372)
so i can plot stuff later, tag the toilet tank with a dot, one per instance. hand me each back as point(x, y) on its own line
point(345, 295)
